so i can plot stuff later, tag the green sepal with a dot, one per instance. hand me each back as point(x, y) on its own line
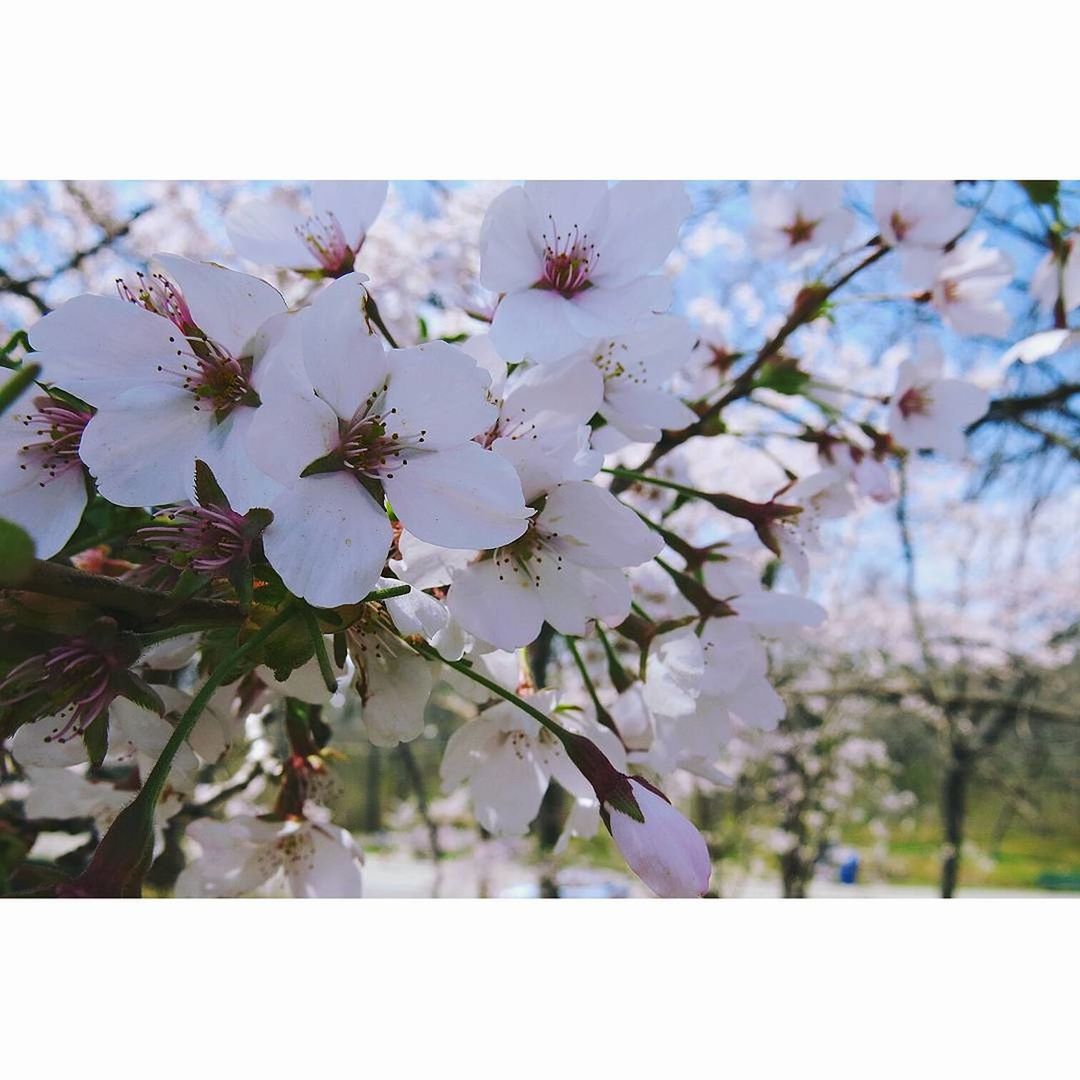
point(96, 739)
point(131, 686)
point(332, 462)
point(207, 490)
point(187, 585)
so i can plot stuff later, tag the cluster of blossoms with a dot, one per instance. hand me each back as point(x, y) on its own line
point(386, 523)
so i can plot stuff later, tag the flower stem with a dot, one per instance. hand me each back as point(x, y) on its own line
point(126, 850)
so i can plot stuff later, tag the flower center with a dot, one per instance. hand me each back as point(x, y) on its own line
point(800, 230)
point(528, 558)
point(57, 432)
point(899, 225)
point(208, 539)
point(568, 260)
point(614, 363)
point(915, 401)
point(950, 291)
point(77, 673)
point(325, 239)
point(369, 449)
point(218, 381)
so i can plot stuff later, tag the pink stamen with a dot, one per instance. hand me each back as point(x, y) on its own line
point(568, 260)
point(58, 429)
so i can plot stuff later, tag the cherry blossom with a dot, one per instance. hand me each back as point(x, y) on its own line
point(374, 425)
point(508, 760)
point(567, 569)
point(43, 483)
point(326, 236)
point(664, 850)
point(627, 375)
point(315, 857)
point(929, 412)
point(918, 217)
point(1058, 276)
point(966, 284)
point(172, 369)
point(576, 260)
point(798, 222)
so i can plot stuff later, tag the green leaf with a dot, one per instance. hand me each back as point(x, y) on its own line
point(16, 553)
point(784, 378)
point(207, 490)
point(1043, 192)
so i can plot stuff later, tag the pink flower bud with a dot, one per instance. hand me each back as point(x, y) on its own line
point(664, 850)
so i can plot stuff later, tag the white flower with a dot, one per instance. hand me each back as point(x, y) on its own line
point(919, 215)
point(664, 850)
point(542, 423)
point(135, 735)
point(318, 859)
point(871, 476)
point(326, 236)
point(627, 375)
point(928, 412)
point(798, 222)
point(735, 672)
point(1052, 280)
point(768, 612)
point(43, 484)
point(373, 425)
point(822, 495)
point(174, 375)
point(508, 760)
point(966, 286)
point(576, 260)
point(566, 569)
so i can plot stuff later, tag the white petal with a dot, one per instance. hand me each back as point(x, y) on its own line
point(509, 258)
point(99, 347)
point(465, 497)
point(426, 566)
point(355, 203)
point(590, 527)
point(497, 604)
point(439, 389)
point(32, 745)
point(312, 433)
point(332, 870)
point(328, 540)
point(226, 305)
point(344, 359)
point(265, 231)
point(644, 217)
point(49, 513)
point(141, 449)
point(537, 325)
point(397, 691)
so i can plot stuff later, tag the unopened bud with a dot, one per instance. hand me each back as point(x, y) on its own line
point(664, 850)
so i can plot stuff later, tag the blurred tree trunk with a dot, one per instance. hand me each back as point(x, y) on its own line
point(953, 810)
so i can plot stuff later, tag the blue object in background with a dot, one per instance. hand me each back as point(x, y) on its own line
point(849, 869)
